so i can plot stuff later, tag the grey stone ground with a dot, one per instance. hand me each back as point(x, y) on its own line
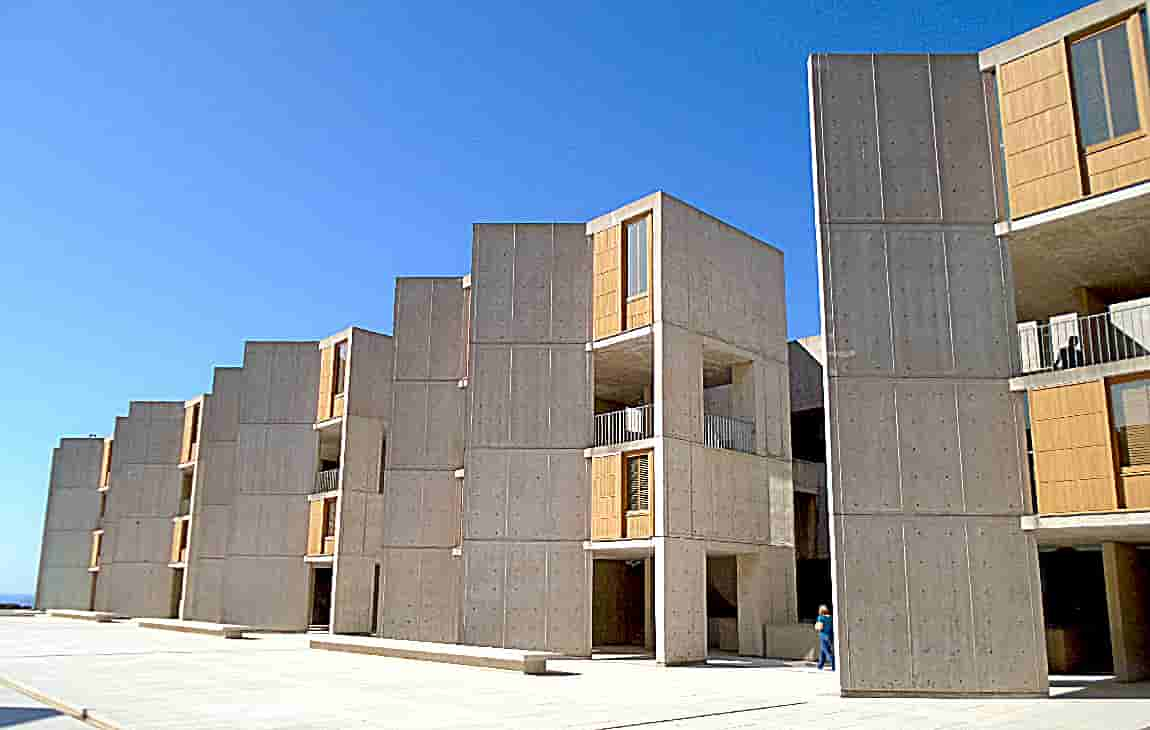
point(145, 678)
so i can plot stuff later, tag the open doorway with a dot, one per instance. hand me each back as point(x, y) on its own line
point(723, 604)
point(177, 595)
point(1074, 606)
point(321, 599)
point(623, 611)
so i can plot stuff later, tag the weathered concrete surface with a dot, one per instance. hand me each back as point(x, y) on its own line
point(527, 662)
point(526, 577)
point(359, 522)
point(227, 631)
point(276, 453)
point(71, 514)
point(421, 581)
point(167, 680)
point(1128, 604)
point(936, 585)
point(143, 495)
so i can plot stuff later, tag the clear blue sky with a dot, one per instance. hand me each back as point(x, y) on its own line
point(175, 181)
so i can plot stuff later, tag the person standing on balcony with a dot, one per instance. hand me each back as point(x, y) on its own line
point(1069, 356)
point(825, 627)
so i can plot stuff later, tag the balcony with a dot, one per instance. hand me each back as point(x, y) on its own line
point(1072, 341)
point(733, 434)
point(629, 424)
point(326, 481)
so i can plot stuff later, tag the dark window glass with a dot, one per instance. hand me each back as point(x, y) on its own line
point(1104, 97)
point(340, 367)
point(637, 257)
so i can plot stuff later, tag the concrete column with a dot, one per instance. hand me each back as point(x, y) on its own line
point(648, 603)
point(766, 595)
point(1127, 595)
point(743, 391)
point(680, 601)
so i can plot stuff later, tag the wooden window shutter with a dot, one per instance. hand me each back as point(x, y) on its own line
point(639, 482)
point(608, 282)
point(106, 463)
point(189, 427)
point(1073, 459)
point(607, 497)
point(326, 370)
point(315, 527)
point(177, 539)
point(1039, 135)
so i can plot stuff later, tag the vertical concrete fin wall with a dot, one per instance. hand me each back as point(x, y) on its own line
point(276, 451)
point(143, 495)
point(359, 524)
point(527, 578)
point(936, 585)
point(420, 578)
point(70, 516)
point(720, 298)
point(213, 493)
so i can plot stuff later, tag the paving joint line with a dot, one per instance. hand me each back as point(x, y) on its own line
point(648, 723)
point(77, 712)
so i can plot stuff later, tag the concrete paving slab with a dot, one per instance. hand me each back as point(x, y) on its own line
point(97, 616)
point(167, 679)
point(228, 631)
point(19, 709)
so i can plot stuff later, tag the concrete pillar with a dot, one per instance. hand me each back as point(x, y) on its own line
point(648, 603)
point(1127, 595)
point(766, 595)
point(680, 601)
point(743, 391)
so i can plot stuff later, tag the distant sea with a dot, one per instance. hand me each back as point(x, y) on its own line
point(22, 599)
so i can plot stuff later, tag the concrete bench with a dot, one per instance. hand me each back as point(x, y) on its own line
point(101, 617)
point(528, 662)
point(228, 631)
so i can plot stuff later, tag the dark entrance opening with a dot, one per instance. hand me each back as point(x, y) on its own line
point(177, 593)
point(1074, 604)
point(321, 598)
point(618, 605)
point(723, 603)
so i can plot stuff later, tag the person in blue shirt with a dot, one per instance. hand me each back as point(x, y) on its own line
point(825, 627)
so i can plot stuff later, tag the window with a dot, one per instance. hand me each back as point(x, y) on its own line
point(1130, 403)
point(340, 369)
point(638, 483)
point(329, 518)
point(194, 437)
point(1105, 99)
point(637, 257)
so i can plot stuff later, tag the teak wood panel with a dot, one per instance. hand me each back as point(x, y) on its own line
point(94, 558)
point(178, 528)
point(338, 405)
point(608, 283)
point(186, 439)
point(1135, 491)
point(315, 526)
point(326, 371)
point(607, 497)
point(1043, 169)
point(106, 462)
point(1073, 454)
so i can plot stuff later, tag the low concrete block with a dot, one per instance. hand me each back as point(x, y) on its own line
point(228, 631)
point(791, 641)
point(528, 662)
point(101, 617)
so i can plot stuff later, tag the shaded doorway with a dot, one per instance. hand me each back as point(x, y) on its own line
point(321, 598)
point(622, 609)
point(1074, 606)
point(723, 603)
point(177, 594)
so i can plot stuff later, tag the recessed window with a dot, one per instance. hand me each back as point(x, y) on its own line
point(638, 483)
point(329, 518)
point(1130, 402)
point(340, 369)
point(1105, 99)
point(637, 257)
point(194, 437)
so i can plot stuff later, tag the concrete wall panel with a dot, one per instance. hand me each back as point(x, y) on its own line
point(571, 290)
point(268, 525)
point(412, 328)
point(967, 188)
point(249, 582)
point(484, 581)
point(978, 303)
point(526, 604)
point(211, 528)
point(991, 455)
point(370, 367)
point(216, 473)
point(855, 276)
point(73, 508)
point(905, 133)
point(492, 278)
point(568, 599)
point(276, 458)
point(919, 307)
point(281, 382)
point(928, 448)
point(867, 468)
point(680, 600)
point(533, 270)
point(848, 155)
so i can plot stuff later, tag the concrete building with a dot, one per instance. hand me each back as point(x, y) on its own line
point(805, 358)
point(583, 443)
point(984, 227)
point(131, 548)
point(71, 516)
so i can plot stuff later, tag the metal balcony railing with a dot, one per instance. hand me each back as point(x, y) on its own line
point(1071, 342)
point(629, 424)
point(723, 432)
point(326, 481)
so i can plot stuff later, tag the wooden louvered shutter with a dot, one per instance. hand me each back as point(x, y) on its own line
point(638, 483)
point(608, 283)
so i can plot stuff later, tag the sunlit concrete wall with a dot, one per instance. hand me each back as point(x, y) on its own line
point(936, 585)
point(70, 517)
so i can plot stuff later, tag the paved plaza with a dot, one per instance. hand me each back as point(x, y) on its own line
point(144, 678)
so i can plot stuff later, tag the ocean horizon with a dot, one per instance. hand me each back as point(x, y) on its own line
point(23, 599)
